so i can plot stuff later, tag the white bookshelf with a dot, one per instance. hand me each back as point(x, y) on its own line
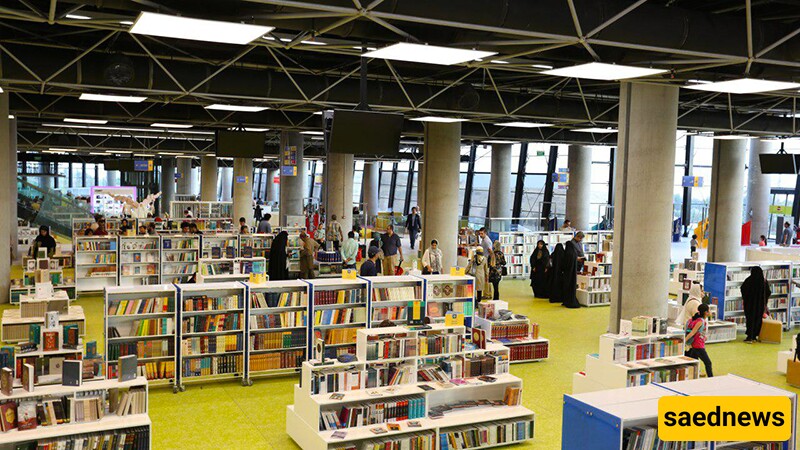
point(16, 328)
point(518, 334)
point(389, 297)
point(305, 422)
point(333, 319)
point(179, 257)
point(223, 241)
point(276, 326)
point(593, 290)
point(74, 430)
point(293, 247)
point(258, 243)
point(96, 263)
point(204, 351)
point(147, 327)
point(516, 251)
point(444, 293)
point(139, 260)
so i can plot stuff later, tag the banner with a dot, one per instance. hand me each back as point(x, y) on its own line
point(780, 210)
point(289, 161)
point(690, 181)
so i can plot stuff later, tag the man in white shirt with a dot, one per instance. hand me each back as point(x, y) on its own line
point(349, 251)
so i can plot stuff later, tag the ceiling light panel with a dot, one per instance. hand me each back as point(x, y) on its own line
point(171, 125)
point(524, 125)
point(163, 25)
point(238, 108)
point(730, 137)
point(438, 119)
point(744, 86)
point(497, 141)
point(112, 98)
point(428, 54)
point(595, 130)
point(91, 121)
point(603, 71)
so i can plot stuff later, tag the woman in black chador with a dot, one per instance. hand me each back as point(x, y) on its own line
point(540, 262)
point(556, 277)
point(277, 257)
point(755, 292)
point(569, 277)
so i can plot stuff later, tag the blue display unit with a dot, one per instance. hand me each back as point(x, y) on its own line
point(598, 420)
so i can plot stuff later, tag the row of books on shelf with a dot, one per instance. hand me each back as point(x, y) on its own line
point(514, 330)
point(340, 316)
point(96, 245)
point(664, 375)
point(278, 340)
point(187, 256)
point(648, 350)
point(203, 345)
point(646, 438)
point(151, 348)
point(216, 253)
point(183, 269)
point(359, 415)
point(486, 435)
point(438, 310)
point(155, 370)
point(596, 284)
point(525, 352)
point(393, 313)
point(101, 272)
point(329, 257)
point(141, 306)
point(212, 365)
point(339, 297)
point(179, 244)
point(779, 287)
point(107, 258)
point(206, 303)
point(260, 300)
point(397, 293)
point(284, 319)
point(778, 303)
point(451, 290)
point(389, 348)
point(212, 323)
point(149, 269)
point(145, 327)
point(291, 359)
point(129, 438)
point(440, 344)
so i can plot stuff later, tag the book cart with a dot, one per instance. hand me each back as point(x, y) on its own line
point(211, 332)
point(107, 419)
point(443, 293)
point(277, 315)
point(723, 282)
point(139, 260)
point(95, 263)
point(622, 419)
point(337, 309)
point(518, 334)
point(635, 359)
point(424, 383)
point(389, 297)
point(141, 321)
point(179, 257)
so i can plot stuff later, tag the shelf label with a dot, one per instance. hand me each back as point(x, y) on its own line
point(348, 274)
point(457, 271)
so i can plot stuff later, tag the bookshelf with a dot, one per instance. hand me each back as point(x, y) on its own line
point(95, 263)
point(627, 360)
point(428, 414)
point(389, 297)
point(516, 248)
point(794, 315)
point(139, 260)
point(179, 257)
point(515, 332)
point(16, 326)
point(593, 290)
point(329, 264)
point(293, 247)
point(104, 395)
point(602, 420)
point(211, 332)
point(223, 270)
point(276, 326)
point(202, 210)
point(80, 225)
point(723, 282)
point(445, 293)
point(141, 320)
point(338, 308)
point(255, 245)
point(220, 246)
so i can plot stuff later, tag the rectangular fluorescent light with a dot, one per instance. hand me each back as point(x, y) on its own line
point(54, 152)
point(371, 49)
point(11, 116)
point(118, 151)
point(126, 22)
point(699, 81)
point(240, 108)
point(541, 66)
point(142, 155)
point(499, 141)
point(58, 149)
point(170, 154)
point(162, 25)
point(92, 121)
point(595, 130)
point(524, 125)
point(313, 43)
point(77, 17)
point(428, 54)
point(112, 98)
point(314, 133)
point(603, 71)
point(170, 125)
point(730, 137)
point(498, 61)
point(98, 154)
point(1, 90)
point(744, 86)
point(439, 119)
point(184, 156)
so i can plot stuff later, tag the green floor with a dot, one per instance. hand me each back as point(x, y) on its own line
point(227, 415)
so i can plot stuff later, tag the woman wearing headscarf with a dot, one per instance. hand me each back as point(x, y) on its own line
point(692, 303)
point(497, 269)
point(478, 267)
point(432, 259)
point(278, 269)
point(556, 277)
point(569, 286)
point(755, 292)
point(540, 261)
point(44, 240)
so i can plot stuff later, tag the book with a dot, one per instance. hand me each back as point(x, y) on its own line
point(127, 367)
point(71, 336)
point(167, 244)
point(51, 320)
point(7, 381)
point(230, 252)
point(26, 415)
point(35, 333)
point(247, 252)
point(50, 341)
point(91, 349)
point(72, 373)
point(28, 377)
point(512, 395)
point(8, 416)
point(216, 253)
point(55, 365)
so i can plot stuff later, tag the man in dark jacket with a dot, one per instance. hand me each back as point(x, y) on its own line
point(413, 225)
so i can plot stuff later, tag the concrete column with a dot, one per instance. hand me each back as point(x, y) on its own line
point(6, 198)
point(369, 185)
point(168, 186)
point(758, 187)
point(184, 185)
point(243, 189)
point(194, 187)
point(12, 186)
point(272, 186)
point(727, 199)
point(579, 193)
point(338, 188)
point(645, 161)
point(500, 187)
point(112, 177)
point(292, 187)
point(208, 181)
point(438, 189)
point(226, 184)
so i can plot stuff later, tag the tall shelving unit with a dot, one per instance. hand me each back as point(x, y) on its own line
point(445, 293)
point(223, 241)
point(180, 254)
point(513, 245)
point(96, 263)
point(389, 297)
point(258, 244)
point(211, 329)
point(337, 309)
point(723, 281)
point(277, 313)
point(794, 315)
point(602, 420)
point(145, 321)
point(293, 247)
point(139, 260)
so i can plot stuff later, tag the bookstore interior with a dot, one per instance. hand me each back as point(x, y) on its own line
point(386, 225)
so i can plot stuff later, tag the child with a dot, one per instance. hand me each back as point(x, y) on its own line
point(694, 244)
point(696, 339)
point(762, 242)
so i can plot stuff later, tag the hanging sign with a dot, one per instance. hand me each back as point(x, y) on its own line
point(562, 178)
point(780, 209)
point(690, 181)
point(143, 165)
point(276, 180)
point(289, 161)
point(241, 179)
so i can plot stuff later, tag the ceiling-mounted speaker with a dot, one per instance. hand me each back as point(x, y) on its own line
point(119, 70)
point(465, 97)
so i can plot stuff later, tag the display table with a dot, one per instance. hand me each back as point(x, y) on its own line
point(16, 328)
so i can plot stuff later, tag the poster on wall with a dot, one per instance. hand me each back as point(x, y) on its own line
point(289, 161)
point(103, 203)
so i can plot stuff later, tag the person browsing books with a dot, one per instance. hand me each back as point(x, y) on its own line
point(308, 250)
point(369, 268)
point(43, 240)
point(432, 259)
point(349, 251)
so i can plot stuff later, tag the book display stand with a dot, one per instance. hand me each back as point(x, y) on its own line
point(410, 388)
point(449, 293)
point(329, 263)
point(593, 290)
point(517, 333)
point(139, 260)
point(293, 246)
point(96, 263)
point(16, 325)
point(337, 309)
point(689, 270)
point(179, 257)
point(390, 297)
point(255, 245)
